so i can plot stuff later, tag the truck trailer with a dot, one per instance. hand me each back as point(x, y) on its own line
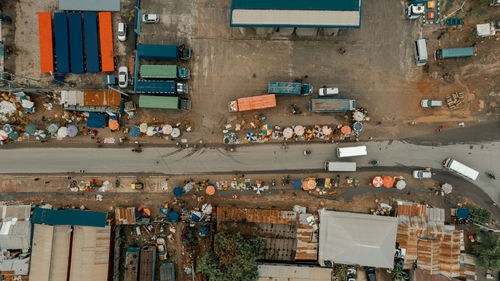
point(252, 103)
point(160, 87)
point(163, 52)
point(453, 53)
point(164, 72)
point(164, 102)
point(332, 105)
point(289, 88)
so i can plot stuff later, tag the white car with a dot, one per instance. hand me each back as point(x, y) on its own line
point(122, 31)
point(422, 174)
point(150, 18)
point(328, 92)
point(431, 103)
point(123, 77)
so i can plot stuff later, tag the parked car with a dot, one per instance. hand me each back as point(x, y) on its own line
point(122, 31)
point(431, 103)
point(370, 274)
point(422, 174)
point(150, 18)
point(123, 77)
point(328, 92)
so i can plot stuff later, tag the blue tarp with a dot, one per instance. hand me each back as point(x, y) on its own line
point(173, 216)
point(297, 184)
point(96, 120)
point(69, 217)
point(178, 191)
point(135, 132)
point(76, 42)
point(462, 213)
point(91, 42)
point(61, 42)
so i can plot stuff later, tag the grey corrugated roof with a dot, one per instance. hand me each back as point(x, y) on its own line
point(351, 238)
point(89, 5)
point(20, 212)
point(15, 235)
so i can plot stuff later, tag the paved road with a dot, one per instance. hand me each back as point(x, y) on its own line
point(252, 158)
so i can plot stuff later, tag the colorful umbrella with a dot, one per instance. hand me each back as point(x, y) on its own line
point(72, 131)
point(299, 130)
point(346, 130)
point(14, 135)
point(296, 183)
point(143, 127)
point(7, 128)
point(309, 184)
point(52, 128)
point(401, 184)
point(377, 181)
point(135, 131)
point(178, 191)
point(287, 133)
point(157, 131)
point(317, 132)
point(327, 130)
point(357, 126)
point(150, 131)
point(308, 134)
point(3, 135)
point(176, 132)
point(231, 137)
point(388, 182)
point(210, 190)
point(62, 132)
point(166, 129)
point(267, 130)
point(40, 134)
point(30, 129)
point(250, 137)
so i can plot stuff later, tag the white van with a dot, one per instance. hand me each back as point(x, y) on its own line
point(459, 168)
point(332, 166)
point(351, 151)
point(420, 52)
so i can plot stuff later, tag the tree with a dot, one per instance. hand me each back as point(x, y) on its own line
point(190, 238)
point(480, 215)
point(398, 273)
point(234, 257)
point(488, 250)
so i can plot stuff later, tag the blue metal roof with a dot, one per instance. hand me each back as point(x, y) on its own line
point(337, 5)
point(76, 42)
point(61, 42)
point(69, 217)
point(91, 41)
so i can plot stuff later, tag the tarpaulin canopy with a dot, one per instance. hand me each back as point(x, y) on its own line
point(135, 131)
point(166, 129)
point(462, 213)
point(377, 181)
point(96, 120)
point(52, 128)
point(287, 133)
point(72, 131)
point(297, 184)
point(388, 181)
point(14, 135)
point(178, 191)
point(267, 130)
point(299, 130)
point(30, 129)
point(210, 190)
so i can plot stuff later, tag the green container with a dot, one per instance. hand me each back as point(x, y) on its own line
point(158, 71)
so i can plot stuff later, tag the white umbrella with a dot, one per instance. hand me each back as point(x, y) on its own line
point(176, 133)
point(299, 130)
point(3, 135)
point(447, 188)
point(143, 127)
point(62, 132)
point(166, 129)
point(358, 116)
point(327, 130)
point(287, 133)
point(150, 131)
point(401, 184)
point(40, 134)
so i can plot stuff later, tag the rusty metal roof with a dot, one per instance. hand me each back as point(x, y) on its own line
point(125, 215)
point(256, 215)
point(99, 98)
point(307, 240)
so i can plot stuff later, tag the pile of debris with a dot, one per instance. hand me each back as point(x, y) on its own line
point(13, 107)
point(454, 100)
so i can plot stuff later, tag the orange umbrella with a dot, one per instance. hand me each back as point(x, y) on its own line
point(377, 181)
point(346, 130)
point(210, 190)
point(388, 181)
point(113, 125)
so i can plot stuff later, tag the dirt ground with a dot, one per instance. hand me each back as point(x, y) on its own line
point(378, 69)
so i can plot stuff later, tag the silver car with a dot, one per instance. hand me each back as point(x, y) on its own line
point(150, 18)
point(431, 103)
point(421, 174)
point(123, 77)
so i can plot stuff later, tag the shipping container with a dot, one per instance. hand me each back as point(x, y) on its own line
point(45, 38)
point(163, 102)
point(158, 52)
point(454, 53)
point(160, 87)
point(91, 42)
point(61, 42)
point(76, 42)
point(106, 40)
point(164, 72)
point(289, 88)
point(332, 105)
point(252, 103)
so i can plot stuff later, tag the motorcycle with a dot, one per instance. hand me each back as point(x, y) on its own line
point(307, 152)
point(295, 109)
point(491, 176)
point(138, 150)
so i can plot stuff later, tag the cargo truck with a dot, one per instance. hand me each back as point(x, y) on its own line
point(163, 52)
point(453, 53)
point(252, 103)
point(164, 72)
point(289, 88)
point(332, 105)
point(160, 87)
point(164, 102)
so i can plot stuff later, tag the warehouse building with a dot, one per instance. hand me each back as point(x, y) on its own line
point(295, 13)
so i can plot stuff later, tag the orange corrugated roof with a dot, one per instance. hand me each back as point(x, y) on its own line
point(100, 98)
point(106, 39)
point(45, 38)
point(257, 102)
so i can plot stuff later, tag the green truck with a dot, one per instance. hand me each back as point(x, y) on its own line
point(164, 72)
point(164, 102)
